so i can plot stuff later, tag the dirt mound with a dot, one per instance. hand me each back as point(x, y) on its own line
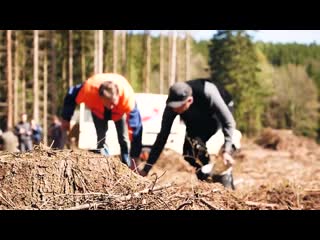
point(172, 168)
point(48, 179)
point(286, 197)
point(171, 160)
point(284, 140)
point(45, 178)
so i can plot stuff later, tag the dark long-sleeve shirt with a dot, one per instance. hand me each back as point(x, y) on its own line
point(204, 117)
point(70, 102)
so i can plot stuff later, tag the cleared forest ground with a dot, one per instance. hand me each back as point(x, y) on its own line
point(285, 175)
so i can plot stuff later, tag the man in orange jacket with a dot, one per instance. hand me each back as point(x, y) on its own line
point(109, 96)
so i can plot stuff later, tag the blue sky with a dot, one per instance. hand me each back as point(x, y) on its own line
point(276, 36)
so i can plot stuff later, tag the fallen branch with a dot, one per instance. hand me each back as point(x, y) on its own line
point(257, 204)
point(184, 204)
point(209, 205)
point(119, 198)
point(147, 190)
point(85, 206)
point(312, 191)
point(157, 178)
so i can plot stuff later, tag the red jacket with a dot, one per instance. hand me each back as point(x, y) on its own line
point(89, 94)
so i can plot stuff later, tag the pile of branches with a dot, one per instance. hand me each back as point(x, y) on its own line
point(81, 180)
point(67, 179)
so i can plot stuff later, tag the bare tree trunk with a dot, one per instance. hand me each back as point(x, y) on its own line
point(9, 80)
point(83, 57)
point(188, 51)
point(129, 54)
point(95, 55)
point(23, 82)
point(16, 81)
point(107, 46)
point(173, 59)
point(147, 66)
point(178, 62)
point(45, 99)
point(115, 51)
point(70, 48)
point(52, 80)
point(36, 75)
point(161, 70)
point(169, 55)
point(123, 53)
point(98, 51)
point(64, 74)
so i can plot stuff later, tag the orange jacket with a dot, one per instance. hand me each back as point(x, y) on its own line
point(89, 95)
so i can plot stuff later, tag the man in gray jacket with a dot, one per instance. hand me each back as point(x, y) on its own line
point(204, 108)
point(24, 132)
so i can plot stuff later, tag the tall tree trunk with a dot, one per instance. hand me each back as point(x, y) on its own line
point(169, 56)
point(123, 53)
point(95, 55)
point(178, 60)
point(161, 70)
point(107, 46)
point(52, 77)
point(115, 51)
point(23, 82)
point(16, 80)
point(147, 65)
point(129, 54)
point(45, 99)
point(173, 58)
point(98, 53)
point(70, 48)
point(36, 75)
point(188, 54)
point(64, 74)
point(9, 80)
point(83, 57)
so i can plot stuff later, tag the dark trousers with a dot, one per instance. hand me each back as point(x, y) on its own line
point(25, 144)
point(194, 149)
point(101, 126)
point(133, 121)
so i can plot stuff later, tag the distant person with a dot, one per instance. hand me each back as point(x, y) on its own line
point(24, 132)
point(36, 132)
point(205, 109)
point(109, 96)
point(57, 133)
point(9, 141)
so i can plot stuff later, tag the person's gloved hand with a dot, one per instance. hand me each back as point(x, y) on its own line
point(227, 159)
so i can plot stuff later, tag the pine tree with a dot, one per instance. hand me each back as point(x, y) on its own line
point(233, 63)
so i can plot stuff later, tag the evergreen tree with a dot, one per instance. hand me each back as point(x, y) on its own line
point(233, 63)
